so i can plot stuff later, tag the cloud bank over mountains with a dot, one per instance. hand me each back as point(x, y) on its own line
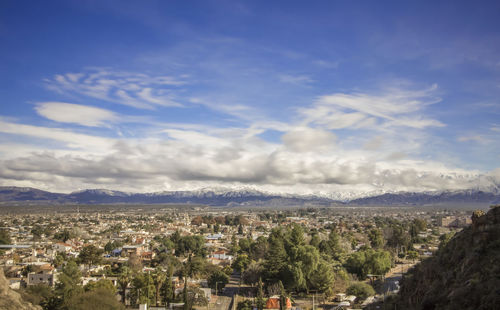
point(323, 98)
point(381, 153)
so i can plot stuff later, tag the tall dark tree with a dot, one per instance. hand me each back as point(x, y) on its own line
point(123, 282)
point(260, 296)
point(376, 238)
point(185, 294)
point(168, 290)
point(90, 255)
point(69, 281)
point(282, 296)
point(218, 280)
point(158, 279)
point(276, 258)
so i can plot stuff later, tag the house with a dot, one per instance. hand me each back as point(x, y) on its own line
point(273, 302)
point(132, 250)
point(62, 247)
point(214, 237)
point(221, 254)
point(45, 276)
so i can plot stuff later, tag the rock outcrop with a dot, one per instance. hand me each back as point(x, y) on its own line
point(11, 300)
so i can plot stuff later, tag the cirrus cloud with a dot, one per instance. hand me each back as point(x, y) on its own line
point(75, 113)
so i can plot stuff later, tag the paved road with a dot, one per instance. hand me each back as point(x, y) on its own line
point(233, 286)
point(391, 284)
point(223, 301)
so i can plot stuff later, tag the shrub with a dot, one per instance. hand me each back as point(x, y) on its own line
point(361, 290)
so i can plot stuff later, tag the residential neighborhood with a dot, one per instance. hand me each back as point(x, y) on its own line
point(222, 257)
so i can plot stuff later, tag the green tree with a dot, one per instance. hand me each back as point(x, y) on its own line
point(185, 297)
point(297, 235)
point(376, 238)
point(109, 247)
point(369, 261)
point(241, 262)
point(105, 284)
point(167, 289)
point(445, 238)
point(315, 240)
point(298, 282)
point(64, 235)
point(196, 266)
point(245, 245)
point(259, 248)
point(276, 257)
point(142, 289)
point(309, 258)
point(189, 244)
point(37, 232)
point(59, 260)
point(398, 238)
point(282, 296)
point(100, 298)
point(244, 305)
point(90, 255)
point(235, 247)
point(252, 273)
point(323, 277)
point(69, 281)
point(4, 236)
point(37, 294)
point(158, 278)
point(413, 255)
point(218, 280)
point(361, 290)
point(332, 247)
point(260, 303)
point(123, 282)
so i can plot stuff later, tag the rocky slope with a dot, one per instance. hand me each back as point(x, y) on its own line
point(464, 274)
point(11, 300)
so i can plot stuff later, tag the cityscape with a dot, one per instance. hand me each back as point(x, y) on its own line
point(249, 155)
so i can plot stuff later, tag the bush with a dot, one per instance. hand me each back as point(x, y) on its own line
point(96, 299)
point(361, 290)
point(244, 305)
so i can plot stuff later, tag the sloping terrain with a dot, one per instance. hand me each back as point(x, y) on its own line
point(11, 300)
point(464, 274)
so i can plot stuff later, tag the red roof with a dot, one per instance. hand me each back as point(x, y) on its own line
point(274, 303)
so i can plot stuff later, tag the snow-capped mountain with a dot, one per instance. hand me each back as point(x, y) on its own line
point(248, 197)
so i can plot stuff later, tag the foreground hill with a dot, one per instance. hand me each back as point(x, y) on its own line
point(242, 197)
point(11, 300)
point(464, 274)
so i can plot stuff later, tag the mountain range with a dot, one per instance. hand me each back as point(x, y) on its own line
point(243, 197)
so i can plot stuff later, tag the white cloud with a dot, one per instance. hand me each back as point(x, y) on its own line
point(308, 140)
point(312, 156)
point(183, 164)
point(137, 90)
point(395, 107)
point(75, 113)
point(68, 139)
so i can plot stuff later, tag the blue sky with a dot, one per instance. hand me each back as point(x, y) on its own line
point(325, 97)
